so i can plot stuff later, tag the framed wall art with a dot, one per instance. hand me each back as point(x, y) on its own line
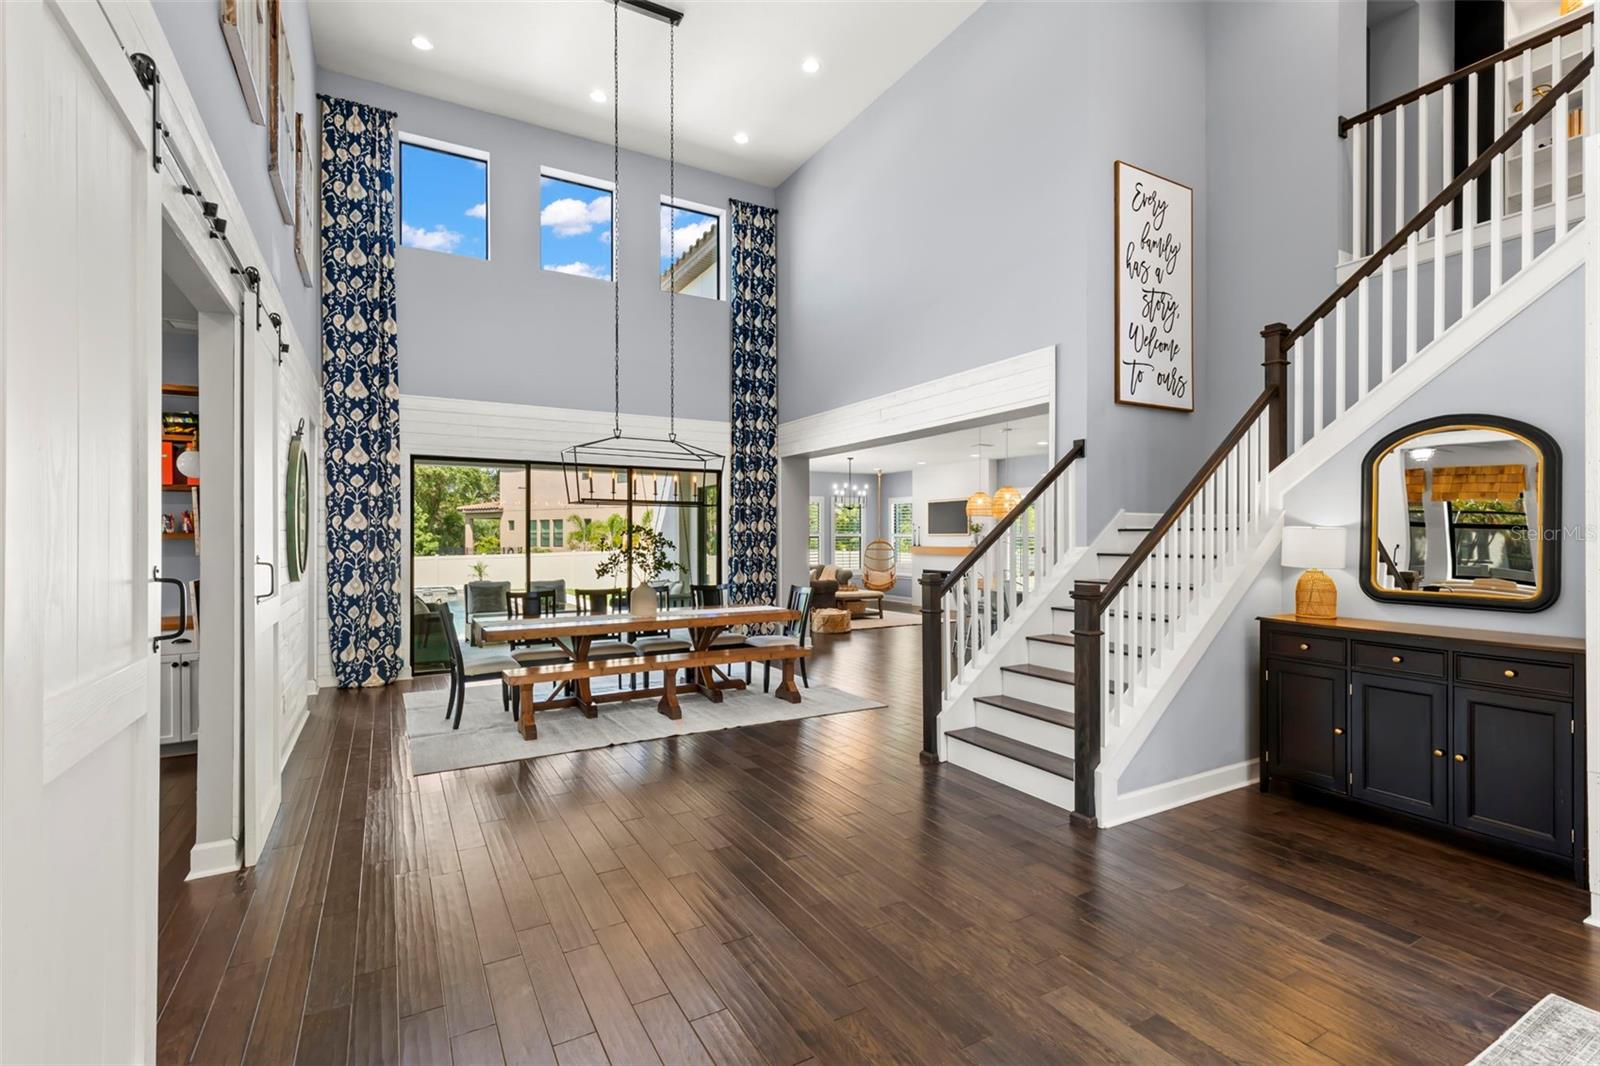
point(1154, 299)
point(307, 198)
point(281, 158)
point(245, 29)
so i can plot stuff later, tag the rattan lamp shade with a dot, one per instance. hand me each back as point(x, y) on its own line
point(1311, 548)
point(980, 505)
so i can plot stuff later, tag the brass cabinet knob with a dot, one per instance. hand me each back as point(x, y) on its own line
point(1438, 753)
point(1338, 732)
point(1511, 673)
point(1460, 757)
point(1305, 647)
point(1395, 659)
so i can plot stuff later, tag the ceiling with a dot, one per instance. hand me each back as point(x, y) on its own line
point(953, 447)
point(738, 67)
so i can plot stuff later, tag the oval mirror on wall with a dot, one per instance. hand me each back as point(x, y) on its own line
point(1463, 511)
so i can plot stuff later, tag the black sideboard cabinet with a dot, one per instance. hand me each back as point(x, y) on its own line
point(1479, 734)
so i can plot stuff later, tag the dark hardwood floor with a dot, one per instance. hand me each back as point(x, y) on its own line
point(807, 891)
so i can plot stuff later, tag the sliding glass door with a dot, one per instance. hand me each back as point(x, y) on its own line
point(485, 532)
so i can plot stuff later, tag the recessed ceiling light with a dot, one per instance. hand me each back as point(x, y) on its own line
point(810, 65)
point(421, 43)
point(741, 137)
point(1042, 443)
point(922, 462)
point(598, 96)
point(974, 455)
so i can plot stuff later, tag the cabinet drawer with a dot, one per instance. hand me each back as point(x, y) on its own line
point(1551, 678)
point(1398, 660)
point(1307, 647)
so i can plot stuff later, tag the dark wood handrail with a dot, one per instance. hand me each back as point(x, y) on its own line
point(1478, 168)
point(970, 559)
point(1147, 546)
point(1465, 72)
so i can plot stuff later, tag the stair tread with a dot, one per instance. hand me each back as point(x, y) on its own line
point(1045, 673)
point(1053, 638)
point(1038, 758)
point(1053, 715)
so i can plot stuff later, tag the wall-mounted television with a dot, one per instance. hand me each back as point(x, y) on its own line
point(947, 518)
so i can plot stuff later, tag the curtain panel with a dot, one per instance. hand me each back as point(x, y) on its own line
point(753, 485)
point(361, 393)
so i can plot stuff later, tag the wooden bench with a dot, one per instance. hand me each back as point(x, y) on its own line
point(522, 681)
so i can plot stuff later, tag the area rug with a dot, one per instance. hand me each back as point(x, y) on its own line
point(890, 620)
point(1556, 1032)
point(488, 735)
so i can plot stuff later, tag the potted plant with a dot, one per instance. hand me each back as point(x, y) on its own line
point(648, 554)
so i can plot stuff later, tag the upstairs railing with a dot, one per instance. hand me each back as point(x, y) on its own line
point(963, 609)
point(1126, 629)
point(1404, 151)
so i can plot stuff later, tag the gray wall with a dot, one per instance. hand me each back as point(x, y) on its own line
point(195, 34)
point(966, 216)
point(505, 330)
point(1203, 729)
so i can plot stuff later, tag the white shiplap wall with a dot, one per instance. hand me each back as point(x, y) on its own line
point(479, 429)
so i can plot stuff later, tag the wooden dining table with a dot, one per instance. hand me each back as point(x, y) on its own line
point(576, 633)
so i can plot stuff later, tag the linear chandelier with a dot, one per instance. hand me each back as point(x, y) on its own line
point(671, 467)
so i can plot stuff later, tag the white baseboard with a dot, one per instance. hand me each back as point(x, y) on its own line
point(1594, 910)
point(300, 719)
point(311, 687)
point(1169, 794)
point(212, 858)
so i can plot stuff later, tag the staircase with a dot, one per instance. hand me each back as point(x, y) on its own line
point(1046, 672)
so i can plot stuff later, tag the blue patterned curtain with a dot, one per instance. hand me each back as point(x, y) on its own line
point(753, 488)
point(361, 393)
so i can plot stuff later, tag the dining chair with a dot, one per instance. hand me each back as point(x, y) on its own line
point(542, 602)
point(711, 596)
point(553, 591)
point(607, 645)
point(660, 641)
point(793, 635)
point(490, 665)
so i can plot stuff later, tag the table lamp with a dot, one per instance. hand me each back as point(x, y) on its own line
point(1311, 548)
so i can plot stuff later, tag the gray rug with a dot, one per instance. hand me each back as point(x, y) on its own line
point(1556, 1032)
point(488, 735)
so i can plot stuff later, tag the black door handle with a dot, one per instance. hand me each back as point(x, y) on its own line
point(183, 609)
point(273, 572)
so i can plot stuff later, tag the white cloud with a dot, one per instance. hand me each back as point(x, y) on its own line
point(685, 236)
point(437, 239)
point(570, 217)
point(478, 211)
point(583, 270)
point(605, 237)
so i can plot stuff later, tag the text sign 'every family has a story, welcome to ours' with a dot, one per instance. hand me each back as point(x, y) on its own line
point(1155, 290)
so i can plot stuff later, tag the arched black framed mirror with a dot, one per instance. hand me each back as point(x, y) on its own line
point(1463, 511)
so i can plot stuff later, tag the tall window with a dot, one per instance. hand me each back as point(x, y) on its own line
point(847, 532)
point(575, 225)
point(691, 238)
point(444, 197)
point(902, 529)
point(814, 532)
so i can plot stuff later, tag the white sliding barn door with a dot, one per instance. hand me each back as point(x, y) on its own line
point(79, 374)
point(263, 695)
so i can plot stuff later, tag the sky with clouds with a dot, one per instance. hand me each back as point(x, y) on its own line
point(574, 228)
point(443, 202)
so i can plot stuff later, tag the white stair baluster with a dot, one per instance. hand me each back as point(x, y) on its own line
point(1441, 221)
point(1401, 215)
point(1411, 302)
point(1422, 156)
point(1358, 180)
point(1317, 378)
point(1363, 335)
point(1386, 318)
point(1340, 357)
point(1497, 186)
point(1560, 184)
point(1377, 183)
point(1298, 414)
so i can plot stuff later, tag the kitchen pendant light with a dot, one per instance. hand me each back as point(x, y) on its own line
point(1006, 497)
point(667, 469)
point(980, 504)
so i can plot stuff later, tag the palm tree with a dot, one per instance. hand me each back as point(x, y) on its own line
point(614, 530)
point(584, 532)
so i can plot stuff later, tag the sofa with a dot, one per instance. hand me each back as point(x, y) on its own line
point(831, 587)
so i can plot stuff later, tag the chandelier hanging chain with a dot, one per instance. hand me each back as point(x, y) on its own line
point(616, 259)
point(672, 229)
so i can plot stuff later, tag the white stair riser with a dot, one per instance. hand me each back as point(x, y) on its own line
point(1036, 690)
point(1041, 734)
point(1055, 656)
point(1020, 776)
point(1061, 622)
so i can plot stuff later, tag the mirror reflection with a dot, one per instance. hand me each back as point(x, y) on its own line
point(1456, 511)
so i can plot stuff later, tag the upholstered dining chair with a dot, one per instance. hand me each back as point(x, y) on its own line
point(793, 635)
point(662, 641)
point(711, 596)
point(488, 666)
point(608, 645)
point(486, 597)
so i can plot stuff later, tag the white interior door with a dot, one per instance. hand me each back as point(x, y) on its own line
point(79, 374)
point(263, 697)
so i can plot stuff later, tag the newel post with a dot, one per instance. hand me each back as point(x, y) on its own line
point(1275, 363)
point(932, 675)
point(1088, 695)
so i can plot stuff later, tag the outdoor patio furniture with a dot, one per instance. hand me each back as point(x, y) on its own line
point(487, 597)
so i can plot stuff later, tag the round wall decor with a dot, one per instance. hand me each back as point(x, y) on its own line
point(299, 505)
